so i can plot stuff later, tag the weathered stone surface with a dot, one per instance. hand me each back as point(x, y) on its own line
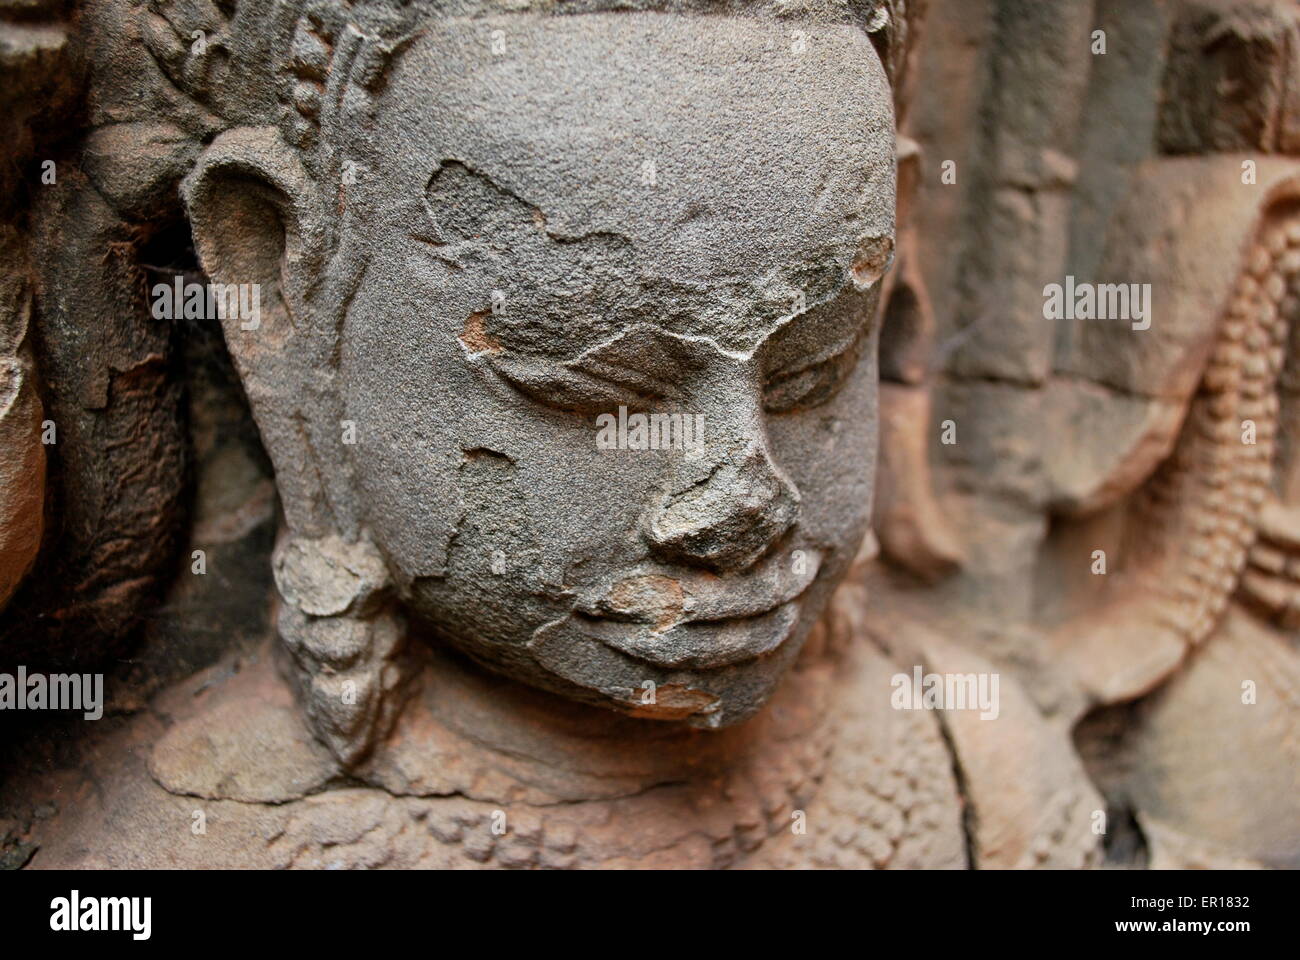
point(1230, 80)
point(1114, 506)
point(22, 469)
point(244, 751)
point(873, 785)
point(390, 570)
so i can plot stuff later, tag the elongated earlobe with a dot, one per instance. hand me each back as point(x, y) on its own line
point(250, 204)
point(251, 208)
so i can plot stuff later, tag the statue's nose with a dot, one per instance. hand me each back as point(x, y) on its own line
point(723, 510)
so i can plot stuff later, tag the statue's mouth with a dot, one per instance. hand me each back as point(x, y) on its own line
point(696, 620)
point(697, 645)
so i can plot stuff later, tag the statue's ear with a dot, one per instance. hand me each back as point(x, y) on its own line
point(252, 212)
point(253, 215)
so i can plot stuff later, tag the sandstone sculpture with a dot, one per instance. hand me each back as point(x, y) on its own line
point(460, 240)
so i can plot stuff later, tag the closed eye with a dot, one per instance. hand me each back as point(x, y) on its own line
point(812, 385)
point(617, 376)
point(591, 388)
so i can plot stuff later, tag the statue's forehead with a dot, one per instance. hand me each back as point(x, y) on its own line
point(724, 154)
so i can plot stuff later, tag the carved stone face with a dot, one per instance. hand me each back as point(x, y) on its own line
point(637, 213)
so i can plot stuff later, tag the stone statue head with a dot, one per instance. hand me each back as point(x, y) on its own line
point(572, 320)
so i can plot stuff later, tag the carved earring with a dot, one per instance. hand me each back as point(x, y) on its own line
point(346, 638)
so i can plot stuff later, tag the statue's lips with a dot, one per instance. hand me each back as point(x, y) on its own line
point(694, 619)
point(697, 645)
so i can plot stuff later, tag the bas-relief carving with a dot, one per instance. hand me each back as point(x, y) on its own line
point(1163, 453)
point(666, 657)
